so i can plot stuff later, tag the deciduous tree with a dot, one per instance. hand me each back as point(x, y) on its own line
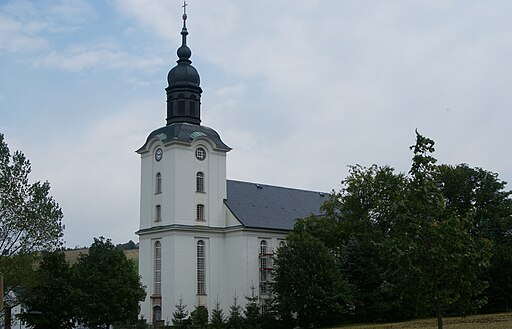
point(308, 282)
point(30, 221)
point(51, 302)
point(111, 288)
point(438, 258)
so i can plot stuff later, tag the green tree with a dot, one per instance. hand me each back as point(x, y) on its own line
point(30, 221)
point(361, 216)
point(111, 289)
point(180, 316)
point(199, 317)
point(50, 303)
point(308, 281)
point(235, 319)
point(252, 312)
point(480, 193)
point(218, 320)
point(438, 259)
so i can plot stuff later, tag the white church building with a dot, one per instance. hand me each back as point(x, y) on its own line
point(204, 238)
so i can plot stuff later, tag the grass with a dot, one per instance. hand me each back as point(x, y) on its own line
point(486, 321)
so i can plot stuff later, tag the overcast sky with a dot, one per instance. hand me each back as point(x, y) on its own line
point(299, 90)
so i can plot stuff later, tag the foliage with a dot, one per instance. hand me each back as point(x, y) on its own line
point(111, 287)
point(435, 241)
point(50, 303)
point(235, 319)
point(308, 281)
point(438, 259)
point(199, 317)
point(252, 313)
point(217, 320)
point(180, 316)
point(30, 219)
point(130, 245)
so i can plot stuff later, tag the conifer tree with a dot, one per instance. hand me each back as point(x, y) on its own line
point(199, 317)
point(180, 315)
point(218, 320)
point(235, 319)
point(252, 312)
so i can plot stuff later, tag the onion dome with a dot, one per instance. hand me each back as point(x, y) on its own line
point(183, 92)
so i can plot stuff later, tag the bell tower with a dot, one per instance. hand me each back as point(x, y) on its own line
point(182, 193)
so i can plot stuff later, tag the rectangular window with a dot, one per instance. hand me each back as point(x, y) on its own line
point(181, 107)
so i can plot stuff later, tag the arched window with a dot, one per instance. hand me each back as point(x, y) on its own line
point(200, 182)
point(200, 212)
point(158, 213)
point(265, 268)
point(201, 287)
point(158, 268)
point(181, 104)
point(282, 244)
point(263, 247)
point(157, 313)
point(158, 183)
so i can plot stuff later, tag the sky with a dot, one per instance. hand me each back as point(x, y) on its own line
point(299, 89)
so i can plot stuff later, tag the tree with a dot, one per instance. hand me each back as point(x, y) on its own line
point(30, 221)
point(439, 260)
point(50, 303)
point(111, 288)
point(199, 317)
point(179, 317)
point(235, 319)
point(308, 281)
point(252, 312)
point(218, 320)
point(480, 193)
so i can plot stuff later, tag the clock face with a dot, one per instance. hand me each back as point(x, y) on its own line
point(200, 153)
point(158, 154)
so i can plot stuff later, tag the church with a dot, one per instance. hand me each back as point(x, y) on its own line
point(203, 238)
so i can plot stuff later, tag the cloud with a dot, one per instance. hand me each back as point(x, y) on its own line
point(25, 26)
point(106, 55)
point(97, 178)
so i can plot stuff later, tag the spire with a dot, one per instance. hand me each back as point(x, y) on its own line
point(184, 51)
point(183, 92)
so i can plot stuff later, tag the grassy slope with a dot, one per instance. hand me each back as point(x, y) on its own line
point(72, 255)
point(487, 321)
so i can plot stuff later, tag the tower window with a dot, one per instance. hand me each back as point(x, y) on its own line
point(200, 153)
point(200, 212)
point(200, 182)
point(158, 268)
point(181, 107)
point(158, 183)
point(201, 286)
point(158, 213)
point(192, 108)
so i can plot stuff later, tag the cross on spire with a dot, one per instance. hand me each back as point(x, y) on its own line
point(185, 4)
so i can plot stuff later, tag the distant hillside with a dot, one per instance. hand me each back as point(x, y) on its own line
point(72, 255)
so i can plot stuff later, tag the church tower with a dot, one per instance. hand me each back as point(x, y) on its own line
point(183, 186)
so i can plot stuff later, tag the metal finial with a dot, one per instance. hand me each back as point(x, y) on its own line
point(185, 4)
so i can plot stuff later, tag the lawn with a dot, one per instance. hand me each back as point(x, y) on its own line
point(487, 321)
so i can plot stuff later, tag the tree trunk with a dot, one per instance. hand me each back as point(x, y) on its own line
point(439, 313)
point(7, 317)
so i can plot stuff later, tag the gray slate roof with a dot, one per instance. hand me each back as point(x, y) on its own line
point(271, 207)
point(185, 132)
